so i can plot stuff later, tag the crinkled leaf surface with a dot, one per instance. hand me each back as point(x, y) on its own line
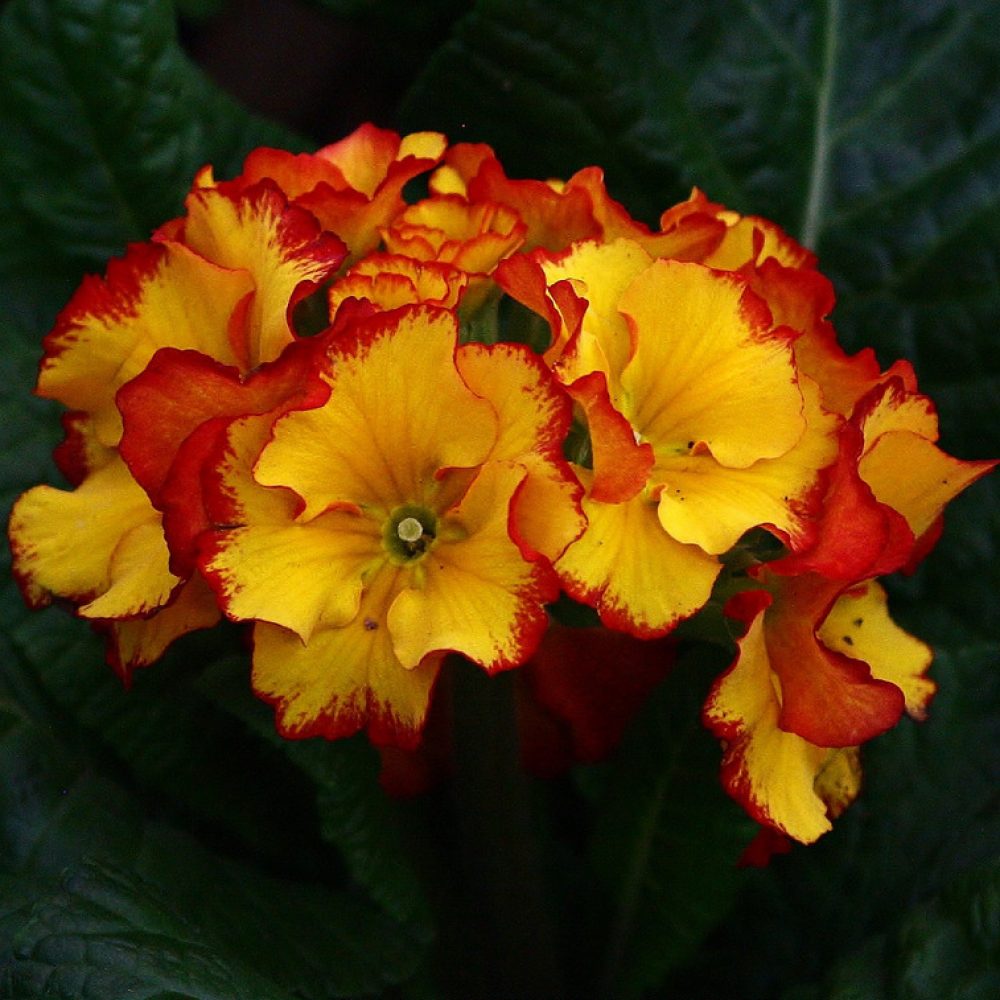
point(104, 122)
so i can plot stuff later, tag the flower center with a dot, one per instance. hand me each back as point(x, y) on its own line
point(409, 533)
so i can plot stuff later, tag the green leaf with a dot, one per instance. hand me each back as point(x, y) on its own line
point(666, 840)
point(948, 949)
point(105, 122)
point(106, 934)
point(62, 809)
point(355, 814)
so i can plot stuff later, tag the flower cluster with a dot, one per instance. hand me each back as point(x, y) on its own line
point(384, 431)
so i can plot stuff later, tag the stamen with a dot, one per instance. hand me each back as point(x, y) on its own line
point(409, 530)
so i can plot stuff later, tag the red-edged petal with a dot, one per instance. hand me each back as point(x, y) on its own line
point(828, 698)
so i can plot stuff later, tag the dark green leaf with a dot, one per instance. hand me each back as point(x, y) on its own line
point(667, 840)
point(355, 813)
point(104, 123)
point(105, 934)
point(61, 808)
point(948, 949)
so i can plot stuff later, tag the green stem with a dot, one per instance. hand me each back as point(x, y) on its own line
point(503, 886)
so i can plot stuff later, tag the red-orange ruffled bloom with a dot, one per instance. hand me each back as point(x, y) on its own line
point(701, 426)
point(393, 523)
point(822, 668)
point(219, 283)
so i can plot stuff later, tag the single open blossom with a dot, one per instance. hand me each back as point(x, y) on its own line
point(372, 534)
point(822, 668)
point(700, 425)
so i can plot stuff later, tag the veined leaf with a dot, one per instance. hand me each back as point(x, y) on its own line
point(105, 122)
point(148, 908)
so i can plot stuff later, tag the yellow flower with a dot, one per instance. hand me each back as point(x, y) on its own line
point(701, 426)
point(370, 535)
point(822, 667)
point(217, 284)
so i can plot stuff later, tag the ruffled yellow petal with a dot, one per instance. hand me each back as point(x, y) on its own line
point(708, 370)
point(365, 156)
point(473, 238)
point(157, 296)
point(137, 642)
point(600, 273)
point(345, 678)
point(534, 417)
point(772, 773)
point(859, 625)
point(477, 595)
point(639, 578)
point(912, 475)
point(264, 564)
point(90, 542)
point(398, 413)
point(704, 503)
point(138, 575)
point(280, 246)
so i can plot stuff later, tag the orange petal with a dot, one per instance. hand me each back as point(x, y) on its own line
point(376, 165)
point(103, 538)
point(685, 236)
point(157, 296)
point(345, 678)
point(179, 390)
point(639, 578)
point(137, 642)
point(390, 281)
point(702, 502)
point(594, 681)
point(534, 417)
point(856, 535)
point(398, 414)
point(479, 596)
point(279, 245)
point(472, 237)
point(621, 463)
point(912, 475)
point(770, 771)
point(859, 625)
point(802, 299)
point(264, 564)
point(600, 274)
point(708, 368)
point(554, 219)
point(828, 698)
